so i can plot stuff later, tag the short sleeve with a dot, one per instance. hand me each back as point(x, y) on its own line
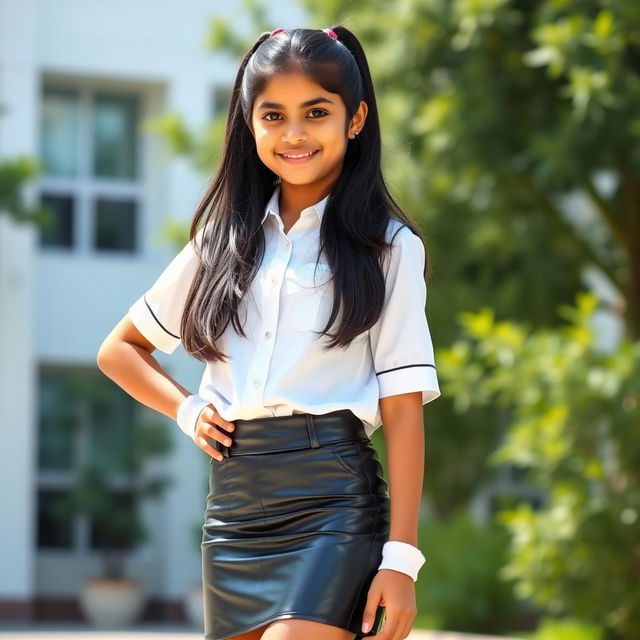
point(157, 313)
point(400, 340)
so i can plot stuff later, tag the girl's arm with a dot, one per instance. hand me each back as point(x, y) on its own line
point(403, 427)
point(125, 357)
point(402, 422)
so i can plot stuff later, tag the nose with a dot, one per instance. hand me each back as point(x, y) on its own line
point(294, 134)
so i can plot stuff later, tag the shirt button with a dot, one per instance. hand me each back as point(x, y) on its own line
point(256, 383)
point(274, 282)
point(267, 335)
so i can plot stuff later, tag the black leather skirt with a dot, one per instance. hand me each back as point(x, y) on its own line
point(295, 520)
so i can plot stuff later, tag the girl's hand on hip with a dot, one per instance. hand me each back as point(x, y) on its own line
point(208, 417)
point(395, 591)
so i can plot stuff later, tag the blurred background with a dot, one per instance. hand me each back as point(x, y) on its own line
point(511, 133)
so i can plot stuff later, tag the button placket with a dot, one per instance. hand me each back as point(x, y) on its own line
point(310, 295)
point(259, 368)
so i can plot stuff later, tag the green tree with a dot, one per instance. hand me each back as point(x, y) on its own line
point(574, 431)
point(15, 173)
point(115, 480)
point(508, 107)
point(523, 161)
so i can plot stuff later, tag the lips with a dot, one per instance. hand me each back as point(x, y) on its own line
point(298, 154)
point(299, 157)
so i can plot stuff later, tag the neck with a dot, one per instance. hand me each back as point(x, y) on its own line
point(296, 197)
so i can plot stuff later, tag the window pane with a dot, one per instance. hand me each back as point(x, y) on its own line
point(115, 225)
point(59, 132)
point(55, 528)
point(115, 147)
point(58, 232)
point(58, 422)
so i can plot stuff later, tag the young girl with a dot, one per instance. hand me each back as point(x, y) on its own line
point(303, 289)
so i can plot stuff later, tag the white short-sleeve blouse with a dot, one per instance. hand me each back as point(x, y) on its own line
point(281, 367)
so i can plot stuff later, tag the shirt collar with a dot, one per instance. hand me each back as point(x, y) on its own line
point(273, 206)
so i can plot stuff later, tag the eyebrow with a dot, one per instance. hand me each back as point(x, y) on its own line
point(308, 103)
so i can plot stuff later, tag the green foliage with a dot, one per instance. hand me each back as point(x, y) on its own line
point(574, 430)
point(492, 113)
point(507, 107)
point(15, 173)
point(565, 629)
point(459, 587)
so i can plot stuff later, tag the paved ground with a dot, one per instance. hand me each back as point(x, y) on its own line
point(15, 631)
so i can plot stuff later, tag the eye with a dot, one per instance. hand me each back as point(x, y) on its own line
point(274, 113)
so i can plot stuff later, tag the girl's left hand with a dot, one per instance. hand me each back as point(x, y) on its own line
point(395, 591)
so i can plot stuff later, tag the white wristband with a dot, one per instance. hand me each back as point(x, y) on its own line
point(188, 413)
point(403, 557)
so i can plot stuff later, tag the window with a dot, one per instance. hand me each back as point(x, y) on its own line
point(114, 148)
point(115, 224)
point(91, 183)
point(85, 422)
point(58, 231)
point(60, 133)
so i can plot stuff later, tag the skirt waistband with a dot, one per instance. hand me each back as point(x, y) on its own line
point(286, 433)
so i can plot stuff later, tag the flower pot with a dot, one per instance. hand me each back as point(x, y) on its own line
point(111, 603)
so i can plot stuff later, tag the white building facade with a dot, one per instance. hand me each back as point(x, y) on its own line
point(77, 81)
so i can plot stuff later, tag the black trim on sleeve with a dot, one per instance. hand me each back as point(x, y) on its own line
point(158, 321)
point(406, 366)
point(402, 226)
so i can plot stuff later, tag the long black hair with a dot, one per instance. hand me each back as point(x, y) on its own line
point(357, 213)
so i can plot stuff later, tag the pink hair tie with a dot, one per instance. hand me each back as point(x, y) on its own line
point(276, 31)
point(331, 33)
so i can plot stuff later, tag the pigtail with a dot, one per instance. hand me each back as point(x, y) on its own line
point(369, 137)
point(349, 40)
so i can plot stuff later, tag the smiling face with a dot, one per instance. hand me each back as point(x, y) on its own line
point(295, 116)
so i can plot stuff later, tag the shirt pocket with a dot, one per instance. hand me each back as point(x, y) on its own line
point(309, 289)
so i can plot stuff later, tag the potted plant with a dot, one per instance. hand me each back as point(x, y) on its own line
point(110, 487)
